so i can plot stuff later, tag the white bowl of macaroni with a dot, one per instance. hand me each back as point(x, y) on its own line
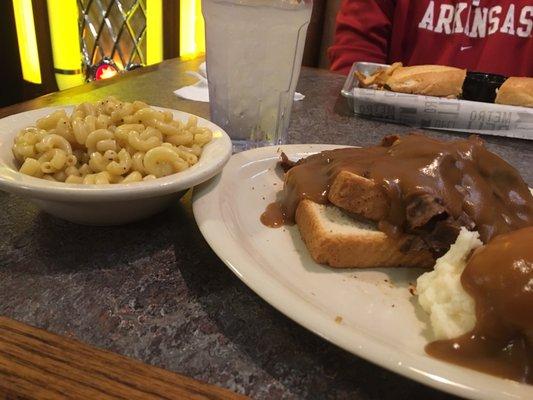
point(109, 162)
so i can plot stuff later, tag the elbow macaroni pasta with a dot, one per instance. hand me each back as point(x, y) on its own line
point(109, 141)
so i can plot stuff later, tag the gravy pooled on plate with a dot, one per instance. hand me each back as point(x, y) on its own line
point(433, 187)
point(499, 276)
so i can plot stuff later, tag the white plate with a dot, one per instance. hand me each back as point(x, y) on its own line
point(380, 319)
point(106, 204)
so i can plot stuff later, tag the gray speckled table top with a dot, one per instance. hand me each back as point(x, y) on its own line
point(155, 291)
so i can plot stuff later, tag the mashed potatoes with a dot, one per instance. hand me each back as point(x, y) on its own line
point(441, 294)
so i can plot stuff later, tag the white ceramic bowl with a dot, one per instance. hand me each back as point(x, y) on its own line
point(106, 204)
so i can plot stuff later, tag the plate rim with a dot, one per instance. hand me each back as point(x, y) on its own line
point(405, 362)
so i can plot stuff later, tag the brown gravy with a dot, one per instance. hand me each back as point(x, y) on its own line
point(499, 276)
point(429, 184)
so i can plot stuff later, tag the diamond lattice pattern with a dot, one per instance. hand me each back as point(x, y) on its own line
point(114, 29)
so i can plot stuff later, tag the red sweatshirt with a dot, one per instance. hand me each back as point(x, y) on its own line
point(480, 35)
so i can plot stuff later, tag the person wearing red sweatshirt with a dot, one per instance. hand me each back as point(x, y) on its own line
point(493, 36)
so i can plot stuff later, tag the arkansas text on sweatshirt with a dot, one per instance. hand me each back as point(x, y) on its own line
point(480, 35)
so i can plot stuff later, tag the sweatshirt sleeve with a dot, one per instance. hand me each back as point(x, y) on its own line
point(362, 33)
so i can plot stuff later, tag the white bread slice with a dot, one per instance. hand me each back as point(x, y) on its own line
point(516, 91)
point(358, 195)
point(429, 80)
point(335, 238)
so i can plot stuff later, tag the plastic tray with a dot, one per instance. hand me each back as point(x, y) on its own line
point(435, 112)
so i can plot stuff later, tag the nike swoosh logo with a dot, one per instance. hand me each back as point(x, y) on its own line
point(463, 48)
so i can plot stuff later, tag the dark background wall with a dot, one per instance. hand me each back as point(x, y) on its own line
point(14, 88)
point(10, 72)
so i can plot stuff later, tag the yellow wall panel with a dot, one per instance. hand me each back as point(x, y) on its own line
point(29, 55)
point(63, 20)
point(154, 31)
point(192, 36)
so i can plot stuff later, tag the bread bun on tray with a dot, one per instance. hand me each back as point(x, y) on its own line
point(516, 91)
point(429, 80)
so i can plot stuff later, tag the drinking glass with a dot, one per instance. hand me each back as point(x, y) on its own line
point(254, 53)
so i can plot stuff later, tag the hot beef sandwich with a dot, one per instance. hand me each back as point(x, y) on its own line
point(401, 203)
